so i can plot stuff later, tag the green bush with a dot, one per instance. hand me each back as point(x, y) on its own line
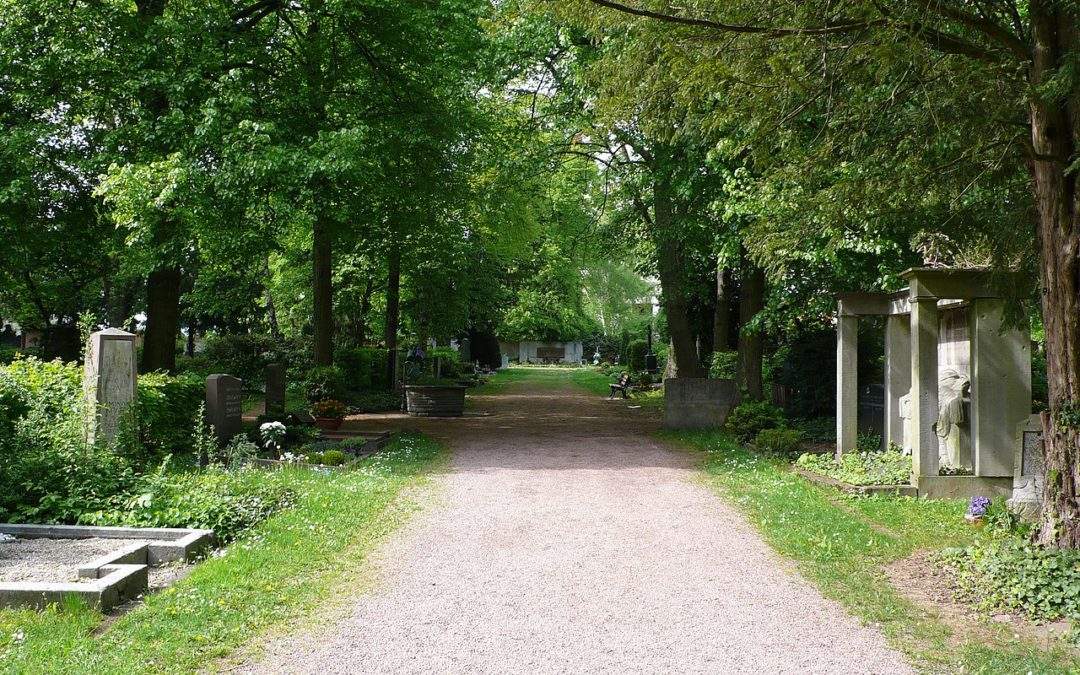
point(635, 354)
point(780, 441)
point(750, 417)
point(226, 502)
point(891, 467)
point(375, 401)
point(816, 429)
point(246, 356)
point(722, 365)
point(165, 409)
point(363, 367)
point(333, 458)
point(324, 383)
point(313, 457)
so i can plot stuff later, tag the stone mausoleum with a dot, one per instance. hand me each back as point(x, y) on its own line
point(957, 380)
point(533, 351)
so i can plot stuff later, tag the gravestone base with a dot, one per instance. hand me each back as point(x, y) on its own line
point(964, 487)
point(697, 402)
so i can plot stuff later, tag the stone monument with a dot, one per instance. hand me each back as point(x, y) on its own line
point(224, 405)
point(1029, 474)
point(697, 402)
point(109, 381)
point(275, 389)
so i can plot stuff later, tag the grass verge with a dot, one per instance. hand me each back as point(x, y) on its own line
point(275, 573)
point(842, 544)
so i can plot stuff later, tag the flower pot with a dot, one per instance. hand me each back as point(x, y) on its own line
point(435, 400)
point(328, 423)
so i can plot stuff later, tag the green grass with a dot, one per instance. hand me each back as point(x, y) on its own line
point(842, 543)
point(276, 573)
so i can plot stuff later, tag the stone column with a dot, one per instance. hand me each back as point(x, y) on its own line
point(924, 383)
point(109, 381)
point(897, 374)
point(1000, 387)
point(847, 384)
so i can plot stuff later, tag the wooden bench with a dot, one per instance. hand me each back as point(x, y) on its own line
point(622, 386)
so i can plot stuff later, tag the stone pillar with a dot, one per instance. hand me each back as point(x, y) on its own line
point(275, 389)
point(847, 384)
point(897, 374)
point(1000, 387)
point(109, 381)
point(924, 383)
point(224, 406)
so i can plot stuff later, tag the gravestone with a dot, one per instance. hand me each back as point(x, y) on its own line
point(697, 402)
point(1029, 473)
point(109, 380)
point(224, 405)
point(275, 389)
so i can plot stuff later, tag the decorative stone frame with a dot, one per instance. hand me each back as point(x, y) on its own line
point(1000, 376)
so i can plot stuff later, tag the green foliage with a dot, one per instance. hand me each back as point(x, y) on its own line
point(722, 365)
point(246, 355)
point(227, 502)
point(889, 467)
point(750, 417)
point(869, 443)
point(816, 429)
point(1009, 573)
point(778, 441)
point(364, 368)
point(333, 458)
point(324, 383)
point(374, 401)
point(165, 409)
point(635, 354)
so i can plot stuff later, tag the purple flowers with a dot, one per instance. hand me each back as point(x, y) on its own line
point(978, 506)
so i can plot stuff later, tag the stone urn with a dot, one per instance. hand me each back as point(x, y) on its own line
point(427, 400)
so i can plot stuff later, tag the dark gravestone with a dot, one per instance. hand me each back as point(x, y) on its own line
point(224, 405)
point(697, 402)
point(275, 389)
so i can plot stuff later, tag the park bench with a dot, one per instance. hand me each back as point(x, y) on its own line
point(622, 386)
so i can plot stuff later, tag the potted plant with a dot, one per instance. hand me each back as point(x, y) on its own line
point(435, 398)
point(328, 413)
point(977, 508)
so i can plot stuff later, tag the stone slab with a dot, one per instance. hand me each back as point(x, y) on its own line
point(964, 487)
point(697, 402)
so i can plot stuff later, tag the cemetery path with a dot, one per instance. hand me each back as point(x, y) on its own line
point(566, 539)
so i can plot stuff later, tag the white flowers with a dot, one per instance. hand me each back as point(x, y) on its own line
point(272, 433)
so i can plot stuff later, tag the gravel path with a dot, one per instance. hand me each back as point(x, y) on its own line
point(566, 539)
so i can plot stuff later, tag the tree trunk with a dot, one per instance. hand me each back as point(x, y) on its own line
point(751, 301)
point(271, 308)
point(189, 348)
point(365, 308)
point(722, 313)
point(670, 265)
point(323, 292)
point(162, 319)
point(1055, 136)
point(393, 298)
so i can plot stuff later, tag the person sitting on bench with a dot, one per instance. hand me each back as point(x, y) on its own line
point(622, 386)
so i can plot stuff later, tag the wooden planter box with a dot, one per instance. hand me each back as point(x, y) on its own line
point(435, 401)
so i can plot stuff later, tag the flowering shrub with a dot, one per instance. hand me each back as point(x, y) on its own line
point(979, 506)
point(328, 408)
point(891, 467)
point(273, 435)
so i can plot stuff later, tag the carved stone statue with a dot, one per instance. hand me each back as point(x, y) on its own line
point(953, 388)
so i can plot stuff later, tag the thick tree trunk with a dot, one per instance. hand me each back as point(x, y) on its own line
point(722, 312)
point(751, 342)
point(670, 266)
point(323, 293)
point(393, 299)
point(1055, 136)
point(360, 332)
point(162, 319)
point(189, 347)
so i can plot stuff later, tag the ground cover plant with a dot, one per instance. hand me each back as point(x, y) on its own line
point(271, 575)
point(881, 467)
point(842, 544)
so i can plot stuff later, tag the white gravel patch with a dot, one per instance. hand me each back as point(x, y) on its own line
point(53, 560)
point(568, 540)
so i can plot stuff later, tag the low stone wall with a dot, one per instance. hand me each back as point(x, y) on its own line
point(697, 403)
point(435, 401)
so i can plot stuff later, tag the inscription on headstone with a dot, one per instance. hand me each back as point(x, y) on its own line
point(1029, 470)
point(224, 405)
point(109, 381)
point(275, 389)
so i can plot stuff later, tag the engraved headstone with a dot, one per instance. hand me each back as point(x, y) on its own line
point(109, 381)
point(1030, 469)
point(224, 405)
point(275, 389)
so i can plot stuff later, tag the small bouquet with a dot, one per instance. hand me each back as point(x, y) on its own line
point(977, 508)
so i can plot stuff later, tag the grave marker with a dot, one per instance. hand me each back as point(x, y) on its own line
point(275, 389)
point(224, 405)
point(109, 380)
